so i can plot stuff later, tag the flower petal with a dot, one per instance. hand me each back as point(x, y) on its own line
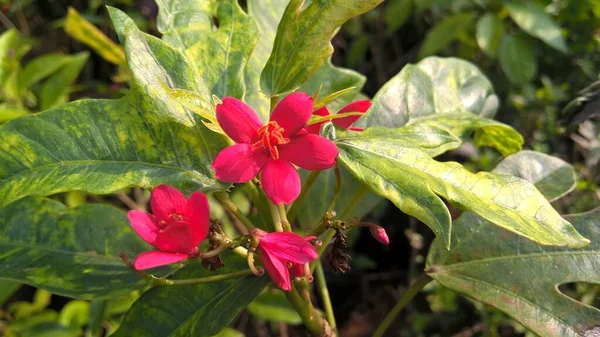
point(239, 163)
point(315, 129)
point(280, 181)
point(144, 224)
point(288, 246)
point(198, 213)
point(166, 200)
point(296, 270)
point(147, 260)
point(293, 112)
point(358, 106)
point(277, 270)
point(310, 152)
point(177, 238)
point(238, 120)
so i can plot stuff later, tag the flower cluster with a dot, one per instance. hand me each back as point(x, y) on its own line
point(178, 225)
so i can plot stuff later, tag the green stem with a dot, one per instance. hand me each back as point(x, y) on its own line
point(216, 251)
point(209, 279)
point(330, 233)
point(322, 284)
point(338, 187)
point(259, 200)
point(231, 206)
point(276, 217)
point(310, 181)
point(284, 221)
point(408, 295)
point(300, 299)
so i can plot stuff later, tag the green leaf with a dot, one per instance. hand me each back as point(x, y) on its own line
point(413, 181)
point(552, 176)
point(68, 251)
point(488, 132)
point(101, 146)
point(302, 42)
point(218, 55)
point(40, 68)
point(197, 310)
point(55, 90)
point(517, 59)
point(432, 86)
point(7, 288)
point(444, 33)
point(516, 275)
point(228, 332)
point(274, 307)
point(267, 14)
point(532, 18)
point(396, 13)
point(9, 112)
point(83, 31)
point(74, 314)
point(490, 30)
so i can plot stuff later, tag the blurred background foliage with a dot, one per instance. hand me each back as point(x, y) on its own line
point(542, 57)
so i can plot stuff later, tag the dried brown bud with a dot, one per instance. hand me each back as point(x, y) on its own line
point(215, 262)
point(338, 258)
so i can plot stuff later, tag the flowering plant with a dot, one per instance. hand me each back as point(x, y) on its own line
point(216, 111)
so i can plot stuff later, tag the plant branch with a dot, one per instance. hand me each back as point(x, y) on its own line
point(310, 181)
point(300, 299)
point(209, 279)
point(408, 295)
point(233, 208)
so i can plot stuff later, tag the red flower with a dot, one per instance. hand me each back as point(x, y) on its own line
point(283, 254)
point(176, 228)
point(271, 148)
point(344, 122)
point(379, 234)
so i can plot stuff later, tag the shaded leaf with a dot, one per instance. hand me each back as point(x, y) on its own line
point(412, 180)
point(532, 18)
point(55, 90)
point(197, 310)
point(490, 30)
point(397, 13)
point(444, 33)
point(517, 59)
point(40, 68)
point(552, 176)
point(274, 307)
point(7, 288)
point(100, 146)
point(69, 251)
point(218, 54)
point(80, 29)
point(303, 43)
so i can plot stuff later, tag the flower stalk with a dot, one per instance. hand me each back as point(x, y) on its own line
point(155, 281)
point(233, 208)
point(322, 284)
point(308, 184)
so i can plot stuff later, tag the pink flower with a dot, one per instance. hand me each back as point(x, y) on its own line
point(271, 149)
point(283, 254)
point(176, 228)
point(344, 122)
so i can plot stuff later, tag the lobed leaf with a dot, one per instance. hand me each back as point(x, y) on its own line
point(71, 252)
point(409, 178)
point(516, 275)
point(302, 42)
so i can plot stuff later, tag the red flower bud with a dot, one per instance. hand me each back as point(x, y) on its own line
point(379, 234)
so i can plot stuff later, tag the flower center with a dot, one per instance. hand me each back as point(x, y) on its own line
point(173, 219)
point(270, 136)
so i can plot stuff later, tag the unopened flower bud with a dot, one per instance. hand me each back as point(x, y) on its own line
point(379, 234)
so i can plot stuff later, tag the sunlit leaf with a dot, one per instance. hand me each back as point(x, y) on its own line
point(532, 18)
point(517, 59)
point(490, 30)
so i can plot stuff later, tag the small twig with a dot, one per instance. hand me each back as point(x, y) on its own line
point(128, 201)
point(6, 21)
point(231, 206)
